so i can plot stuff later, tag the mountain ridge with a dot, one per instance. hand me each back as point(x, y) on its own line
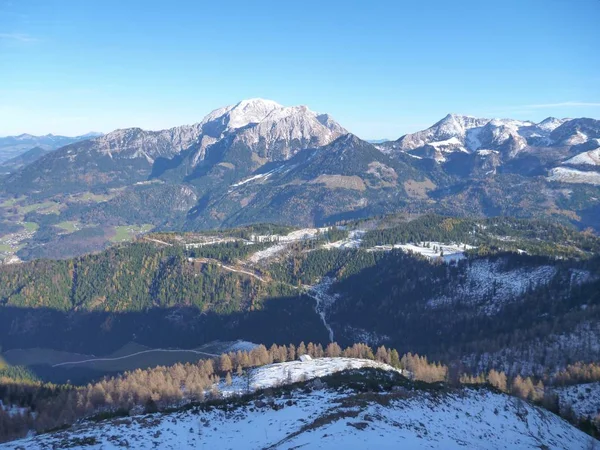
point(257, 161)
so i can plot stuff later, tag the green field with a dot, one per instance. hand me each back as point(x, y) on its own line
point(31, 226)
point(37, 207)
point(5, 248)
point(69, 226)
point(128, 232)
point(11, 202)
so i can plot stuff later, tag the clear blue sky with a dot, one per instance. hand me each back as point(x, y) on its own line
point(380, 68)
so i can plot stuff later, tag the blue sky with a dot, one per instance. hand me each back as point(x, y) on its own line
point(380, 68)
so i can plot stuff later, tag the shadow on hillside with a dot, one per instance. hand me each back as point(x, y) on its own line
point(281, 320)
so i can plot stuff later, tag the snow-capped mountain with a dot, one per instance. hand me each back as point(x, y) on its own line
point(264, 125)
point(274, 131)
point(451, 126)
point(241, 137)
point(456, 133)
point(137, 143)
point(576, 131)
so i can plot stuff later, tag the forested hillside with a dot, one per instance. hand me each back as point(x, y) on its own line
point(491, 293)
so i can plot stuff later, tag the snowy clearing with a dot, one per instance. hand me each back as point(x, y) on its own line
point(267, 253)
point(294, 371)
point(352, 241)
point(431, 250)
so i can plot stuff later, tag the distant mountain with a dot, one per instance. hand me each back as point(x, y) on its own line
point(345, 179)
point(456, 133)
point(228, 143)
point(23, 159)
point(12, 146)
point(258, 161)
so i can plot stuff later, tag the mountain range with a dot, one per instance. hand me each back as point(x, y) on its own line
point(259, 161)
point(13, 146)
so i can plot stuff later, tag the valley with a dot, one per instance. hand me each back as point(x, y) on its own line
point(495, 275)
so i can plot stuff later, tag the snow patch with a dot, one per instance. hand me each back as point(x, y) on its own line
point(432, 250)
point(565, 175)
point(591, 158)
point(488, 285)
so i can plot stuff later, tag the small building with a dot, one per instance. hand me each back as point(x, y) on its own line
point(305, 358)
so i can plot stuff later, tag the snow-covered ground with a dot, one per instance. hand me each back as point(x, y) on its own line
point(326, 419)
point(583, 398)
point(591, 158)
point(260, 176)
point(294, 371)
point(431, 250)
point(281, 242)
point(566, 175)
point(535, 356)
point(267, 253)
point(352, 241)
point(211, 241)
point(296, 235)
point(323, 300)
point(487, 282)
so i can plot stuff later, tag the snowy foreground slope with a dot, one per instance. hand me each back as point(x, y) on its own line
point(330, 415)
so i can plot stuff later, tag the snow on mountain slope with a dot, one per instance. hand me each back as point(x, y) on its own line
point(253, 122)
point(431, 250)
point(246, 135)
point(352, 241)
point(277, 131)
point(551, 123)
point(591, 158)
point(451, 126)
point(535, 356)
point(566, 175)
point(576, 131)
point(294, 371)
point(136, 143)
point(241, 114)
point(281, 242)
point(328, 419)
point(486, 282)
point(468, 134)
point(584, 399)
